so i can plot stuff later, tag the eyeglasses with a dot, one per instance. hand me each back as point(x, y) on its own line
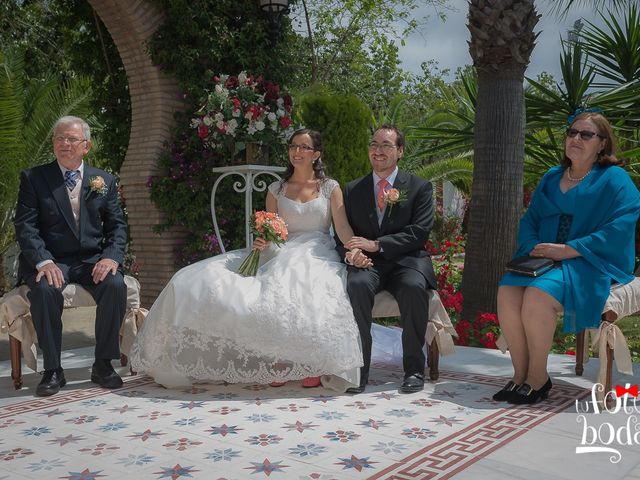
point(303, 148)
point(71, 140)
point(385, 147)
point(584, 134)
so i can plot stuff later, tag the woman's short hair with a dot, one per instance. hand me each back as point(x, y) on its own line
point(607, 156)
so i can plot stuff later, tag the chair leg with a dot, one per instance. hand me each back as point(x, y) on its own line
point(608, 378)
point(433, 360)
point(15, 351)
point(580, 353)
point(123, 360)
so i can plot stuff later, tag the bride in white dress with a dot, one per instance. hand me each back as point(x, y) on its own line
point(291, 321)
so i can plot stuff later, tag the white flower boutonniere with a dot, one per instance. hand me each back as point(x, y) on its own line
point(394, 196)
point(97, 185)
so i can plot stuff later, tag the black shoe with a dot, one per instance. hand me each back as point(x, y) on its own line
point(104, 375)
point(356, 390)
point(506, 393)
point(526, 395)
point(359, 389)
point(51, 383)
point(412, 383)
point(364, 379)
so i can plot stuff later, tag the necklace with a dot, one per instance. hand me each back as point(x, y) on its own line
point(579, 179)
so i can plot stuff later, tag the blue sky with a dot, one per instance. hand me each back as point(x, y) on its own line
point(446, 42)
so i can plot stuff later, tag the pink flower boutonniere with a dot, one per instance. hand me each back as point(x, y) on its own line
point(394, 196)
point(97, 184)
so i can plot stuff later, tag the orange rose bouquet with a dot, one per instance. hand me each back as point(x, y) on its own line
point(270, 227)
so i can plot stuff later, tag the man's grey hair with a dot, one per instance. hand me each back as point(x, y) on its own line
point(71, 120)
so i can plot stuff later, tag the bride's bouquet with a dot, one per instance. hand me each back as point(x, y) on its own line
point(270, 227)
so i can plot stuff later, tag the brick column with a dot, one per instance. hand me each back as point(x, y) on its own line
point(154, 99)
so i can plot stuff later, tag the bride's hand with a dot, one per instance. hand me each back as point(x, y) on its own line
point(260, 243)
point(358, 259)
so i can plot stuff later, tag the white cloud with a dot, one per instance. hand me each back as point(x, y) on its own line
point(446, 42)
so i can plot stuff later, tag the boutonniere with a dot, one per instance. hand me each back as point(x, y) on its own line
point(97, 185)
point(394, 196)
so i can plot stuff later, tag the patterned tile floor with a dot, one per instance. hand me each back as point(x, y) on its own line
point(450, 430)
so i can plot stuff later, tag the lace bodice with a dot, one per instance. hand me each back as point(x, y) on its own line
point(314, 215)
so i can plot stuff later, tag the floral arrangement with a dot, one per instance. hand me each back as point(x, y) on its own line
point(268, 226)
point(242, 109)
point(394, 196)
point(97, 185)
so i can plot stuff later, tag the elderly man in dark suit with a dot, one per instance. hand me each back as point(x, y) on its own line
point(71, 229)
point(391, 213)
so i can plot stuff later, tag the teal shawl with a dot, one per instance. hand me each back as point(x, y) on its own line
point(602, 231)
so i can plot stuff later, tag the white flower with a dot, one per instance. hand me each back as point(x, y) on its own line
point(219, 89)
point(280, 102)
point(218, 117)
point(236, 113)
point(207, 120)
point(242, 78)
point(272, 116)
point(195, 123)
point(251, 129)
point(281, 112)
point(260, 125)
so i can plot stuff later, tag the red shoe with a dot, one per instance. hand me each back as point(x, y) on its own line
point(276, 384)
point(311, 382)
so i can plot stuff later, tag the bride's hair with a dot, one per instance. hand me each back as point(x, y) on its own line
point(318, 166)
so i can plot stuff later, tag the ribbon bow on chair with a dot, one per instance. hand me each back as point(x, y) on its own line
point(632, 390)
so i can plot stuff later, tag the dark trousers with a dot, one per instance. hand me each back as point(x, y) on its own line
point(409, 288)
point(110, 296)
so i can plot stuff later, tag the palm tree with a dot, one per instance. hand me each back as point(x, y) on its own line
point(28, 110)
point(502, 40)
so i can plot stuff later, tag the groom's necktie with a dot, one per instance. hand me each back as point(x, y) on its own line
point(382, 184)
point(71, 177)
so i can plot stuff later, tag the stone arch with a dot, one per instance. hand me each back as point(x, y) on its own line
point(154, 100)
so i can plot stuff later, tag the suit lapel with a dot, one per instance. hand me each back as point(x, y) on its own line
point(400, 184)
point(53, 176)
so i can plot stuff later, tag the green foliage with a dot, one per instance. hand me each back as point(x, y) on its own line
point(66, 39)
point(352, 46)
point(226, 36)
point(29, 109)
point(345, 124)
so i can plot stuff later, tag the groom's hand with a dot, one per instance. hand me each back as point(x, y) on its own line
point(358, 259)
point(362, 243)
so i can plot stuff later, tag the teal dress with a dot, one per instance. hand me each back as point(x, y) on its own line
point(552, 281)
point(603, 210)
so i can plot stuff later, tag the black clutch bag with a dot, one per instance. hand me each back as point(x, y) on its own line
point(530, 266)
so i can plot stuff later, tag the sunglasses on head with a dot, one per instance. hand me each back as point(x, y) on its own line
point(584, 134)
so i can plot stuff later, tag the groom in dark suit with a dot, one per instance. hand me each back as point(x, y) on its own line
point(71, 229)
point(391, 214)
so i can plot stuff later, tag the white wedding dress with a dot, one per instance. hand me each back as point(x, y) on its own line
point(292, 320)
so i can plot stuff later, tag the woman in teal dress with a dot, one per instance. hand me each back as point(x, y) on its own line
point(582, 215)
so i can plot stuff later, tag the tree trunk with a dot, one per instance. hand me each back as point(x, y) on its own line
point(496, 196)
point(3, 280)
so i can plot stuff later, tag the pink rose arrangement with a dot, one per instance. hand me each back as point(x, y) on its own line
point(266, 225)
point(242, 109)
point(97, 185)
